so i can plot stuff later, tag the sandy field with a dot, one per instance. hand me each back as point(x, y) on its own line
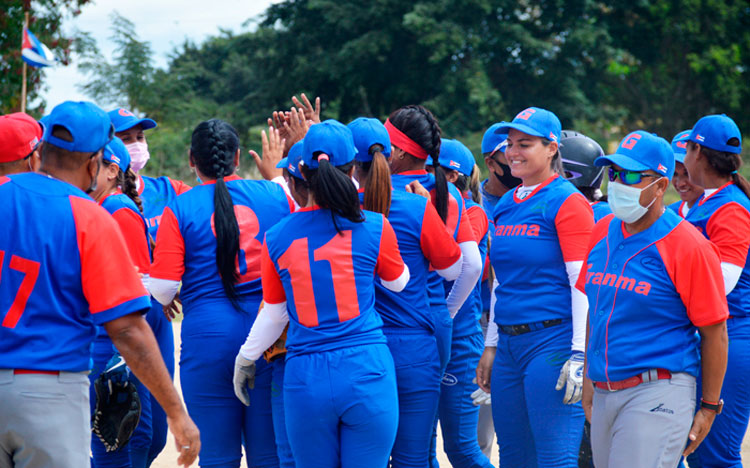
point(168, 458)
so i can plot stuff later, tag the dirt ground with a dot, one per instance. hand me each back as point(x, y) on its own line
point(168, 458)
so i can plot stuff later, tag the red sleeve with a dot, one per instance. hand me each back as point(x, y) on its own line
point(134, 231)
point(108, 278)
point(390, 265)
point(179, 186)
point(598, 233)
point(273, 289)
point(693, 264)
point(479, 221)
point(729, 229)
point(169, 253)
point(574, 222)
point(438, 247)
point(465, 231)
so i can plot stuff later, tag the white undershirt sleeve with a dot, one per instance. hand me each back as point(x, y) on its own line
point(579, 306)
point(731, 273)
point(399, 283)
point(163, 290)
point(471, 270)
point(452, 272)
point(490, 339)
point(267, 328)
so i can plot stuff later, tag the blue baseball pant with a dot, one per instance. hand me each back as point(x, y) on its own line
point(283, 449)
point(211, 338)
point(164, 337)
point(341, 407)
point(533, 425)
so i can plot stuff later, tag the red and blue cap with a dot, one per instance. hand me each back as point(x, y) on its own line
point(19, 136)
point(89, 126)
point(455, 156)
point(116, 152)
point(679, 145)
point(714, 131)
point(534, 121)
point(492, 141)
point(123, 120)
point(330, 138)
point(367, 132)
point(641, 151)
point(291, 162)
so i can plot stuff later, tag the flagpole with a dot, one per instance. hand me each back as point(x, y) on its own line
point(23, 83)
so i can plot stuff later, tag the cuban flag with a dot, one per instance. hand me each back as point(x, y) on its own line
point(34, 52)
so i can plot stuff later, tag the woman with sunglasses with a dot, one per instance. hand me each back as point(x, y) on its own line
point(533, 354)
point(318, 271)
point(689, 192)
point(723, 216)
point(652, 280)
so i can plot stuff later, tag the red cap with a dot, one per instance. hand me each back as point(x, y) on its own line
point(19, 135)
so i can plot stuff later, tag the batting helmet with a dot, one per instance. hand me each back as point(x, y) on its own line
point(578, 153)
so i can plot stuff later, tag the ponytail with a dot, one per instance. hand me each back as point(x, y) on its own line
point(378, 184)
point(334, 190)
point(474, 186)
point(213, 147)
point(726, 164)
point(129, 188)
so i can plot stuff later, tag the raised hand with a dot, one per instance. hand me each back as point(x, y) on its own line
point(310, 113)
point(273, 149)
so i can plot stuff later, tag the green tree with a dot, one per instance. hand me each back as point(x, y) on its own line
point(45, 21)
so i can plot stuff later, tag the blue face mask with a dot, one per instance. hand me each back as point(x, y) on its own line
point(625, 203)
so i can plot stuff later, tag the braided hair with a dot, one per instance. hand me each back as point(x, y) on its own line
point(212, 148)
point(726, 164)
point(422, 127)
point(126, 182)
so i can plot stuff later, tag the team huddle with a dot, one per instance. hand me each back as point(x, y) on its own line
point(370, 292)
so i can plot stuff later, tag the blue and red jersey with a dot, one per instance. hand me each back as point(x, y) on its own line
point(466, 321)
point(64, 268)
point(533, 239)
point(724, 218)
point(601, 209)
point(327, 279)
point(647, 293)
point(156, 194)
point(423, 242)
point(186, 243)
point(133, 228)
point(456, 223)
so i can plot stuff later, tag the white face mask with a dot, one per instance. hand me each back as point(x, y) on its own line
point(139, 155)
point(625, 203)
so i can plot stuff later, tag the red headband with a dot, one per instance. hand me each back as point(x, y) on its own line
point(399, 139)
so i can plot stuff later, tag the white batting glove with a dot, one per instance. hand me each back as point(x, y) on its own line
point(244, 376)
point(571, 377)
point(480, 397)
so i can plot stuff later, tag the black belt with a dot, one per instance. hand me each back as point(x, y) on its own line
point(514, 330)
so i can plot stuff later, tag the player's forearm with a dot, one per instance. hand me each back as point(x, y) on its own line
point(714, 345)
point(134, 339)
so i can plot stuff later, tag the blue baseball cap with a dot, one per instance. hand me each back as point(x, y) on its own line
point(116, 152)
point(89, 126)
point(641, 151)
point(679, 145)
point(535, 122)
point(429, 161)
point(291, 162)
point(332, 138)
point(123, 119)
point(491, 140)
point(714, 131)
point(367, 132)
point(456, 156)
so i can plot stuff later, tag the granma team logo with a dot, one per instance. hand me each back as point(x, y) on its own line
point(619, 282)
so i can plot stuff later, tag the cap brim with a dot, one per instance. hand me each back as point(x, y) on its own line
point(145, 124)
point(505, 128)
point(625, 162)
point(282, 164)
point(679, 157)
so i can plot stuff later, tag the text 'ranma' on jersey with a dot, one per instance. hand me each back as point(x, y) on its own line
point(617, 281)
point(530, 230)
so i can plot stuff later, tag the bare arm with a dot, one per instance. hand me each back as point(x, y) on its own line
point(134, 340)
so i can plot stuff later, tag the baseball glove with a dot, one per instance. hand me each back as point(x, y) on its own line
point(118, 407)
point(278, 349)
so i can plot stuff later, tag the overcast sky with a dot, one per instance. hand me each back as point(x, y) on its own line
point(164, 23)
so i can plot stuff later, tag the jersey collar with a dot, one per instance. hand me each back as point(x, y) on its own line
point(549, 180)
point(113, 192)
point(414, 172)
point(226, 179)
point(717, 191)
